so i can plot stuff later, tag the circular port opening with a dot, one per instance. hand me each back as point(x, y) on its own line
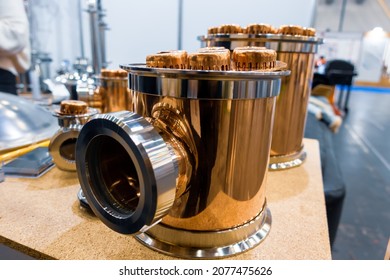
point(68, 149)
point(113, 176)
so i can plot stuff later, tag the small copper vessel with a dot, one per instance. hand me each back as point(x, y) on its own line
point(71, 115)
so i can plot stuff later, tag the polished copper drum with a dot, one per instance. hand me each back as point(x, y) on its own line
point(114, 87)
point(290, 113)
point(221, 159)
point(111, 93)
point(291, 106)
point(185, 170)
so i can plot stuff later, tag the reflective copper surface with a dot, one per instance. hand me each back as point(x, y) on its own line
point(111, 94)
point(231, 138)
point(291, 108)
point(189, 161)
point(117, 95)
point(94, 96)
point(291, 105)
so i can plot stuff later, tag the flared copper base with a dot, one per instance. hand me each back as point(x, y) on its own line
point(207, 244)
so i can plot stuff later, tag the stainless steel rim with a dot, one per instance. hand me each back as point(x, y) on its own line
point(207, 245)
point(195, 84)
point(153, 170)
point(281, 162)
point(267, 37)
point(57, 141)
point(278, 42)
point(83, 200)
point(141, 68)
point(69, 120)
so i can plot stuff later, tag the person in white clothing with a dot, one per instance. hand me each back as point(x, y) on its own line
point(15, 53)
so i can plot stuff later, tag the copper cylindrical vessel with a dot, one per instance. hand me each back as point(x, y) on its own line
point(291, 106)
point(110, 94)
point(186, 170)
point(116, 94)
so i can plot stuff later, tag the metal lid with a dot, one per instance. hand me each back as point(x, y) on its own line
point(23, 122)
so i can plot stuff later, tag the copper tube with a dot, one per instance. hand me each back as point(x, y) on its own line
point(291, 105)
point(291, 108)
point(111, 93)
point(225, 155)
point(116, 94)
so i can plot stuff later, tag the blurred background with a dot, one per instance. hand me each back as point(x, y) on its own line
point(355, 30)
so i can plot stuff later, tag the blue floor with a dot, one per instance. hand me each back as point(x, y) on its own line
point(363, 150)
point(366, 89)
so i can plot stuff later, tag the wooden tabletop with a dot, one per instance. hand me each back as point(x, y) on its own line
point(43, 218)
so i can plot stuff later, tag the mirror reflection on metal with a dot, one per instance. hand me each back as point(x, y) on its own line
point(110, 94)
point(178, 171)
point(23, 122)
point(71, 116)
point(296, 46)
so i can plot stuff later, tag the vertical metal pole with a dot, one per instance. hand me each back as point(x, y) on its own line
point(95, 36)
point(102, 33)
point(82, 53)
point(313, 13)
point(180, 26)
point(342, 15)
